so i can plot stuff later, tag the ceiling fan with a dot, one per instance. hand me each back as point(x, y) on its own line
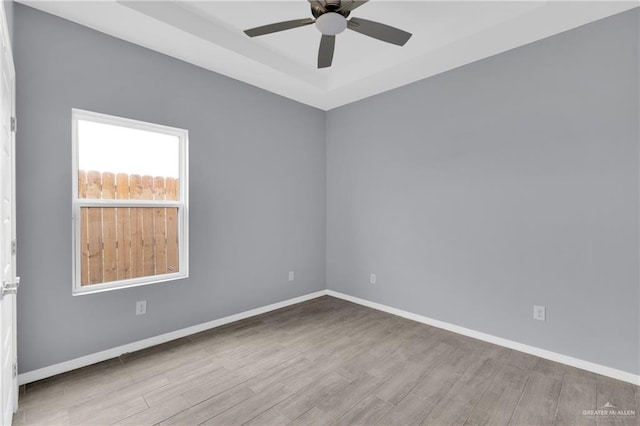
point(331, 19)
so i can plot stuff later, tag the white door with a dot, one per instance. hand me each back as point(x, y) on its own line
point(8, 370)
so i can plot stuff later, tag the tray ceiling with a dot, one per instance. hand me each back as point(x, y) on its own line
point(446, 35)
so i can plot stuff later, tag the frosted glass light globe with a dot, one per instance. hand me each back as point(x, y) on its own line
point(331, 23)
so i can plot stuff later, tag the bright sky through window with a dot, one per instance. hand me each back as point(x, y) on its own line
point(107, 148)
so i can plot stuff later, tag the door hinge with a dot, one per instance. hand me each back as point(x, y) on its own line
point(13, 124)
point(14, 247)
point(15, 369)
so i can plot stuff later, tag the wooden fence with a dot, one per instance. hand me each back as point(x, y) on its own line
point(121, 243)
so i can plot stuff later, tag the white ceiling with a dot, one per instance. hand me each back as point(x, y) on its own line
point(446, 35)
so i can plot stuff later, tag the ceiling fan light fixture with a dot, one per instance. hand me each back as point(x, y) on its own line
point(331, 19)
point(331, 23)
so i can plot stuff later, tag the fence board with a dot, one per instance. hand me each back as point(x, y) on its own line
point(109, 228)
point(160, 234)
point(171, 193)
point(84, 225)
point(135, 192)
point(148, 261)
point(123, 230)
point(94, 229)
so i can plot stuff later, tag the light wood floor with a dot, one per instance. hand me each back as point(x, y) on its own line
point(323, 362)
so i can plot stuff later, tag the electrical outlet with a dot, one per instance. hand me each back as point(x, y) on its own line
point(373, 278)
point(141, 307)
point(291, 275)
point(539, 313)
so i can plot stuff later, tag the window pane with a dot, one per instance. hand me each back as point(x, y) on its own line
point(124, 163)
point(123, 243)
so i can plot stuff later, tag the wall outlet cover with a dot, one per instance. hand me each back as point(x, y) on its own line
point(141, 307)
point(539, 313)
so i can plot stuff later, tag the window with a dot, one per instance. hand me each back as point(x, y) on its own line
point(130, 207)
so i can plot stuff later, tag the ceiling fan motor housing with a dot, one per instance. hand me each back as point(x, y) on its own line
point(318, 9)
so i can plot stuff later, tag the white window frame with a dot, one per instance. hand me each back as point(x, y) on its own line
point(182, 204)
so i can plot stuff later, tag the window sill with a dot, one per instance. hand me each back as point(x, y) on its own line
point(136, 282)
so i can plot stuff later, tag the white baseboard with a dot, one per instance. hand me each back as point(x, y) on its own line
point(542, 353)
point(63, 367)
point(52, 370)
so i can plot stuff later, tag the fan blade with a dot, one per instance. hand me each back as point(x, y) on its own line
point(380, 31)
point(279, 26)
point(351, 4)
point(325, 54)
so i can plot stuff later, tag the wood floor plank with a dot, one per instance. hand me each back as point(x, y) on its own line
point(539, 400)
point(390, 341)
point(366, 412)
point(307, 398)
point(313, 417)
point(578, 393)
point(410, 411)
point(108, 404)
point(436, 384)
point(458, 341)
point(387, 366)
point(52, 385)
point(403, 382)
point(419, 345)
point(190, 367)
point(208, 390)
point(74, 391)
point(156, 414)
point(47, 417)
point(209, 408)
point(495, 352)
point(499, 401)
point(271, 417)
point(250, 408)
point(439, 380)
point(113, 413)
point(549, 368)
point(142, 368)
point(458, 404)
point(280, 356)
point(179, 386)
point(254, 355)
point(293, 367)
point(302, 380)
point(340, 402)
point(459, 360)
point(522, 360)
point(435, 353)
point(356, 365)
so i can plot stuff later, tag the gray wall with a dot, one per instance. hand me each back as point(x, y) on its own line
point(257, 189)
point(513, 181)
